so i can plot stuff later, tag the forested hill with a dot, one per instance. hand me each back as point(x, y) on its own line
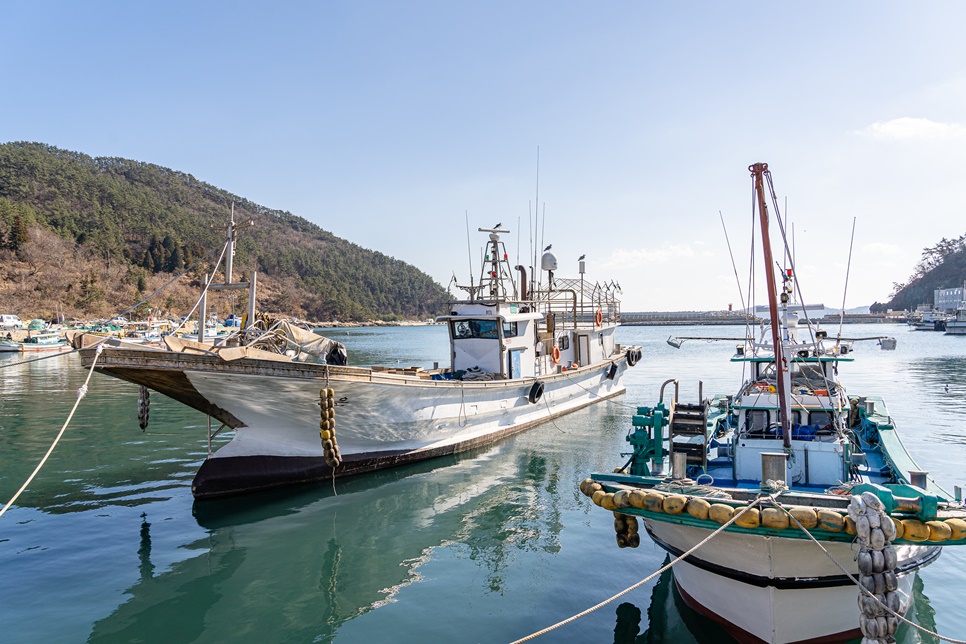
point(941, 266)
point(89, 236)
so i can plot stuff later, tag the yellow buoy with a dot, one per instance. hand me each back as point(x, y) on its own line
point(750, 519)
point(939, 531)
point(914, 530)
point(698, 508)
point(850, 526)
point(720, 513)
point(325, 434)
point(806, 516)
point(598, 496)
point(619, 497)
point(774, 518)
point(608, 502)
point(654, 501)
point(831, 521)
point(957, 529)
point(636, 499)
point(899, 527)
point(675, 504)
point(630, 525)
point(586, 483)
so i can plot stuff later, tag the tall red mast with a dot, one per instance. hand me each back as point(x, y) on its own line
point(758, 171)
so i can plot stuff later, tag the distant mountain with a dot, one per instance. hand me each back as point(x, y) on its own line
point(941, 266)
point(90, 236)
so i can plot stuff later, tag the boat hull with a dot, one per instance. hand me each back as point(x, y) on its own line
point(771, 589)
point(381, 419)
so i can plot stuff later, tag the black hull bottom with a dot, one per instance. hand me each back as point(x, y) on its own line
point(230, 475)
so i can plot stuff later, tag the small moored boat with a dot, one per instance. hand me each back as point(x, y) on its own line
point(35, 342)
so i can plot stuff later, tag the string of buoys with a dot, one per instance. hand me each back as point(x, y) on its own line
point(144, 407)
point(330, 446)
point(877, 561)
point(824, 519)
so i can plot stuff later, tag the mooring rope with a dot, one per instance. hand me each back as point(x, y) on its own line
point(80, 394)
point(657, 573)
point(856, 581)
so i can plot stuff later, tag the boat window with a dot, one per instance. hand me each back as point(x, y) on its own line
point(486, 329)
point(821, 418)
point(563, 342)
point(810, 373)
point(510, 329)
point(756, 420)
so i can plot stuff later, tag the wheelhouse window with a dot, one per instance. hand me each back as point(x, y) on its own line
point(510, 329)
point(821, 419)
point(469, 329)
point(756, 421)
point(563, 342)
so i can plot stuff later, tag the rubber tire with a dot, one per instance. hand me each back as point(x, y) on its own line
point(536, 392)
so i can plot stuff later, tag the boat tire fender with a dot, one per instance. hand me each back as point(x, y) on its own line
point(611, 371)
point(536, 391)
point(632, 357)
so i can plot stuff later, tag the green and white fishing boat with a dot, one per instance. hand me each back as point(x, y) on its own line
point(803, 487)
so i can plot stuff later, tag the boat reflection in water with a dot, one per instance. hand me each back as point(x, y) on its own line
point(324, 559)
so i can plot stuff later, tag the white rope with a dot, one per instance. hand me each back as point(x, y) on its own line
point(646, 579)
point(80, 394)
point(860, 586)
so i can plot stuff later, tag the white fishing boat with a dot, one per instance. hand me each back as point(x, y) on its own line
point(522, 351)
point(927, 318)
point(957, 324)
point(790, 457)
point(36, 342)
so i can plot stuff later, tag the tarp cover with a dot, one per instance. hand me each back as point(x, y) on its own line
point(314, 348)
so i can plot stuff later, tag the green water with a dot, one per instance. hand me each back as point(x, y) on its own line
point(107, 545)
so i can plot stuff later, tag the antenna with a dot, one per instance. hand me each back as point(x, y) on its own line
point(469, 255)
point(536, 223)
point(848, 267)
point(733, 265)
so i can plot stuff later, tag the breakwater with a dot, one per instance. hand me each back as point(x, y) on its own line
point(730, 318)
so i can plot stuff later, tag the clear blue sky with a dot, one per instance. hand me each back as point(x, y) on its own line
point(384, 122)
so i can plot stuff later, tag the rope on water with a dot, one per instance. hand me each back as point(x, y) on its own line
point(855, 581)
point(80, 394)
point(657, 573)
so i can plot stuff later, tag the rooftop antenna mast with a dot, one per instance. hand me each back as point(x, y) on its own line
point(536, 223)
point(848, 267)
point(469, 255)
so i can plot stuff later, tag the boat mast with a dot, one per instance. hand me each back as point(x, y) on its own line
point(758, 171)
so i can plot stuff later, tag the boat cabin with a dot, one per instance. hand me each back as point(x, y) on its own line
point(490, 341)
point(819, 421)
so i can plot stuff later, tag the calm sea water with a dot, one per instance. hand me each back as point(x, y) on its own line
point(107, 545)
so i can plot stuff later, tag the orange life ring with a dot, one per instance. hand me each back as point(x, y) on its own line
point(599, 317)
point(555, 355)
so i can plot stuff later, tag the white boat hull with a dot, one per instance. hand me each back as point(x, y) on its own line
point(381, 419)
point(771, 589)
